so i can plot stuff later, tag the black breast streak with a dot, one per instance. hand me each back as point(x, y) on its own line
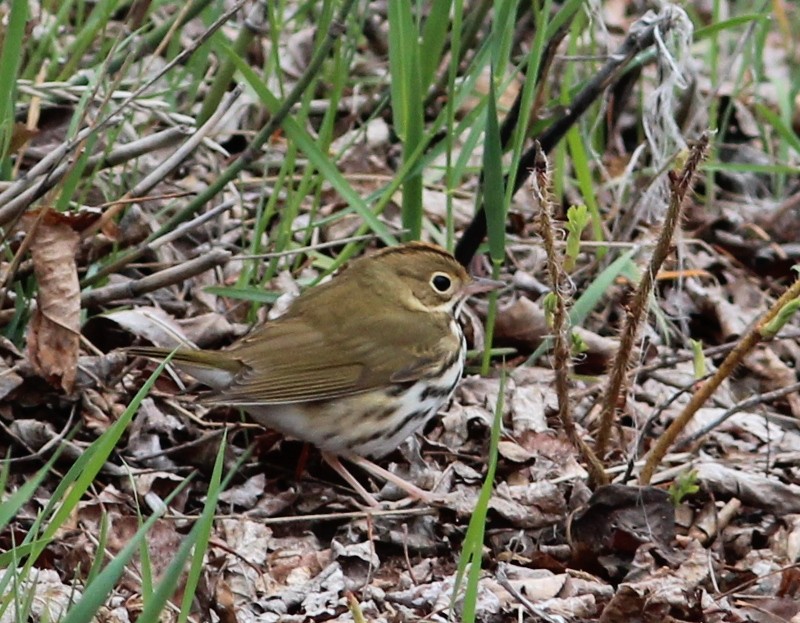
point(398, 389)
point(380, 415)
point(437, 391)
point(330, 436)
point(373, 436)
point(421, 415)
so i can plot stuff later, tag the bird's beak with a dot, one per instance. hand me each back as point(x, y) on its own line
point(482, 284)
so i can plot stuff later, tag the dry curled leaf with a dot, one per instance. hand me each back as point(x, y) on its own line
point(54, 334)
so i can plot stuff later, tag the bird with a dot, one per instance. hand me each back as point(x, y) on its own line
point(356, 365)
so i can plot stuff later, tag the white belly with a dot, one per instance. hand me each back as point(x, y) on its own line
point(369, 424)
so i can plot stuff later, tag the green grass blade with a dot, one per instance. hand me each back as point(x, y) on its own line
point(502, 35)
point(592, 296)
point(407, 99)
point(300, 136)
point(10, 56)
point(779, 125)
point(577, 150)
point(565, 13)
point(83, 472)
point(15, 501)
point(434, 37)
point(472, 548)
point(402, 64)
point(96, 593)
point(528, 91)
point(204, 527)
point(493, 189)
point(194, 540)
point(495, 202)
point(728, 24)
point(98, 21)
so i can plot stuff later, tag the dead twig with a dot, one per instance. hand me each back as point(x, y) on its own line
point(45, 174)
point(167, 166)
point(726, 368)
point(161, 279)
point(250, 153)
point(540, 188)
point(614, 395)
point(749, 403)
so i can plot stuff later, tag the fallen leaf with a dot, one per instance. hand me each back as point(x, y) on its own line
point(616, 521)
point(54, 333)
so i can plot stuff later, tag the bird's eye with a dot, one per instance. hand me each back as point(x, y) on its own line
point(441, 282)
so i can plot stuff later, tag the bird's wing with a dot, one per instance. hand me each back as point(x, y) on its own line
point(292, 360)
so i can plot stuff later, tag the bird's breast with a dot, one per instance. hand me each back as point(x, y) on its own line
point(371, 423)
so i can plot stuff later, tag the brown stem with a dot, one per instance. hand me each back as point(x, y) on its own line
point(617, 382)
point(540, 187)
point(734, 358)
point(163, 278)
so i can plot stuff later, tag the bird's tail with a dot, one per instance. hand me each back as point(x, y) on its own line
point(213, 368)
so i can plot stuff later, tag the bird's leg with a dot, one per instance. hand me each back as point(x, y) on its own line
point(333, 460)
point(385, 474)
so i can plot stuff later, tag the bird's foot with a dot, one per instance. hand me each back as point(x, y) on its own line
point(384, 474)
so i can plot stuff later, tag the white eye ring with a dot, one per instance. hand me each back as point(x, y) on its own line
point(441, 282)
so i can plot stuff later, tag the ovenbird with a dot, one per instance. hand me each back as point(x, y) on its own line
point(356, 365)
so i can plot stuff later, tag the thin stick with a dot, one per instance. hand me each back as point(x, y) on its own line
point(731, 362)
point(34, 187)
point(617, 383)
point(748, 403)
point(249, 154)
point(540, 187)
point(163, 278)
point(167, 166)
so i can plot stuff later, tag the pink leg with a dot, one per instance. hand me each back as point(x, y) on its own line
point(336, 464)
point(385, 474)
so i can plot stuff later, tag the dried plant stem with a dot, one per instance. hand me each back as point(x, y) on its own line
point(47, 172)
point(734, 358)
point(250, 154)
point(124, 153)
point(614, 395)
point(540, 187)
point(166, 167)
point(753, 401)
point(161, 279)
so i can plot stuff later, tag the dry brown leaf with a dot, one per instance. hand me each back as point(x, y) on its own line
point(54, 334)
point(246, 494)
point(617, 520)
point(525, 506)
point(151, 323)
